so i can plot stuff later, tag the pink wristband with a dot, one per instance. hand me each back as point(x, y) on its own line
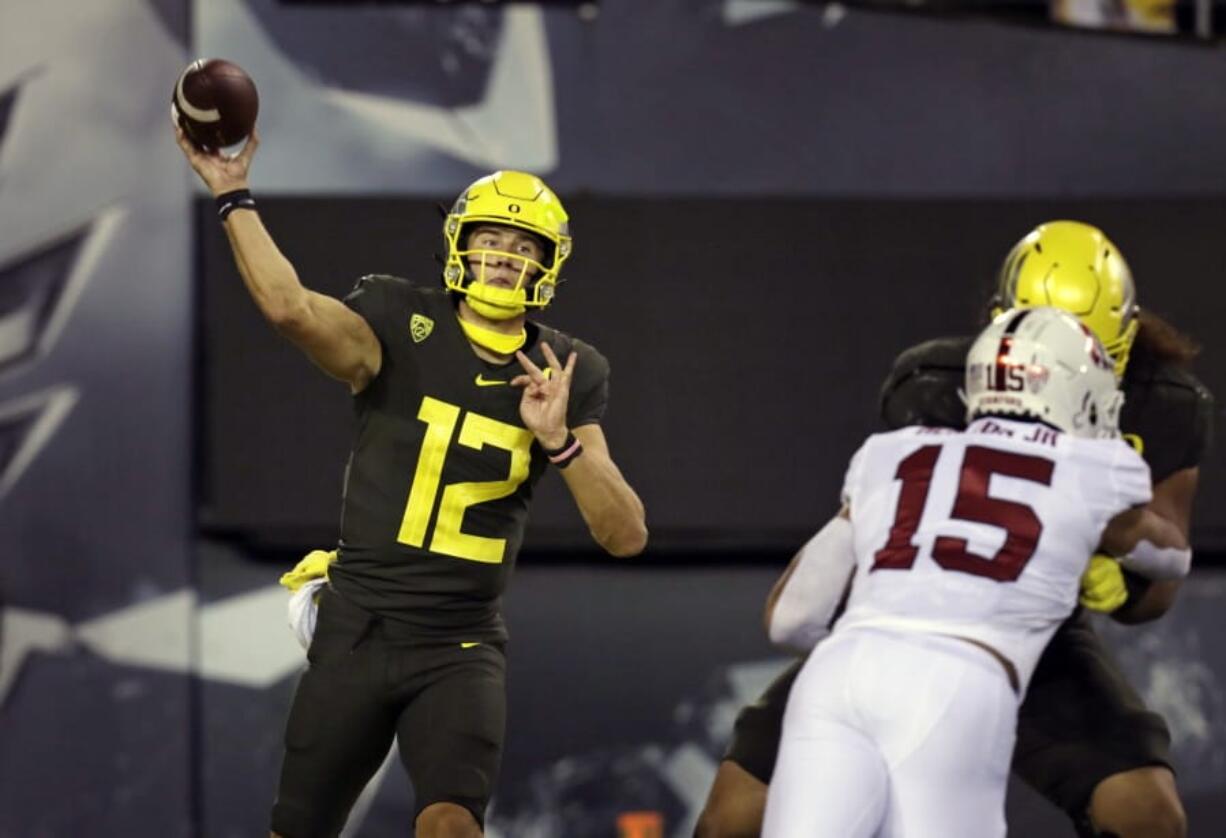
point(570, 449)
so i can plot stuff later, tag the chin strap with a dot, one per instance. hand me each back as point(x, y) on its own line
point(497, 342)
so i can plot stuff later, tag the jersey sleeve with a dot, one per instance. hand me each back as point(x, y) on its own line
point(1172, 414)
point(924, 386)
point(1131, 478)
point(379, 299)
point(1202, 429)
point(589, 390)
point(1114, 478)
point(851, 480)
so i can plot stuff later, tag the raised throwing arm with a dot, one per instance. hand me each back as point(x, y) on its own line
point(338, 340)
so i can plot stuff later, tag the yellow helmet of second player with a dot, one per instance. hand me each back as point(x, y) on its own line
point(1075, 267)
point(511, 199)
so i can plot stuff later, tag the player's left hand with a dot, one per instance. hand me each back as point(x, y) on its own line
point(1102, 585)
point(546, 395)
point(314, 565)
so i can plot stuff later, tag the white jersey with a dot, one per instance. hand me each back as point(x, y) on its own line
point(982, 533)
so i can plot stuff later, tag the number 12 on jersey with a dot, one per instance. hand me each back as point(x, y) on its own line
point(973, 503)
point(477, 431)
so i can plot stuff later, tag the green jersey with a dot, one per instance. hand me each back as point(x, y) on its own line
point(441, 474)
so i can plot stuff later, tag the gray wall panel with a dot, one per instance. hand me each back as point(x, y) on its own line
point(623, 684)
point(696, 97)
point(95, 606)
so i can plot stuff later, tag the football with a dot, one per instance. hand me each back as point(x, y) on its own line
point(215, 103)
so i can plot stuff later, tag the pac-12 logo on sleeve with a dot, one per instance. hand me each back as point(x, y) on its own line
point(420, 327)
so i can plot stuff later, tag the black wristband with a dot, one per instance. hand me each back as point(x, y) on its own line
point(564, 456)
point(228, 202)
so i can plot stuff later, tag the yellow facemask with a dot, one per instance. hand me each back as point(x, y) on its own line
point(494, 301)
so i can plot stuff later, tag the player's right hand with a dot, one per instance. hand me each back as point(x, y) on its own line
point(1102, 585)
point(543, 404)
point(220, 172)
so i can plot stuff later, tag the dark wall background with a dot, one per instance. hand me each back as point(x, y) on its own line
point(748, 339)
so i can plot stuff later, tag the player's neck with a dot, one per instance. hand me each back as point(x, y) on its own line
point(489, 350)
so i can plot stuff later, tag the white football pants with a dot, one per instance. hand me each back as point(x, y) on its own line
point(894, 735)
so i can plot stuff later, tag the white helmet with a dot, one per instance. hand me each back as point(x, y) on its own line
point(1043, 363)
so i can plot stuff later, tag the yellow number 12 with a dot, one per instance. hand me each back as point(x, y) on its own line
point(477, 431)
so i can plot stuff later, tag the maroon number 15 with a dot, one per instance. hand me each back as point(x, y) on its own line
point(1019, 521)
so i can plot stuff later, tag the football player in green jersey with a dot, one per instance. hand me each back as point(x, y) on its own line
point(1086, 740)
point(462, 403)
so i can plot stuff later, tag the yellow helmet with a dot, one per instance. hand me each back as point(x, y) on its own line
point(1075, 267)
point(512, 199)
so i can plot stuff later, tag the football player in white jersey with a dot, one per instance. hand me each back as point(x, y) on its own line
point(964, 550)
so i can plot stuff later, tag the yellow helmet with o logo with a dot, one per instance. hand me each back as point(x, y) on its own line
point(1075, 267)
point(511, 199)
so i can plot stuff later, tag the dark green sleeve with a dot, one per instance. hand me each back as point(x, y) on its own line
point(589, 391)
point(1202, 436)
point(1172, 414)
point(380, 299)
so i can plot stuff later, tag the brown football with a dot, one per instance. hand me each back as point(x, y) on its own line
point(215, 102)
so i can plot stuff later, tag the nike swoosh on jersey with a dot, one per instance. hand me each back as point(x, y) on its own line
point(482, 381)
point(470, 645)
